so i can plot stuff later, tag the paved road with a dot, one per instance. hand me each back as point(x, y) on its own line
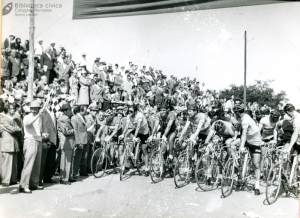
point(137, 197)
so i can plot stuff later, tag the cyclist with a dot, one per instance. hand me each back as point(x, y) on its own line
point(196, 127)
point(267, 126)
point(290, 110)
point(136, 123)
point(226, 127)
point(166, 121)
point(111, 124)
point(251, 138)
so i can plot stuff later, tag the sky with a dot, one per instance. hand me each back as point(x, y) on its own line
point(206, 44)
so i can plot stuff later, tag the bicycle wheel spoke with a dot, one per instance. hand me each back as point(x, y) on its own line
point(274, 183)
point(98, 163)
point(181, 171)
point(228, 178)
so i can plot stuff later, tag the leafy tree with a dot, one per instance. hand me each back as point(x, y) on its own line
point(260, 92)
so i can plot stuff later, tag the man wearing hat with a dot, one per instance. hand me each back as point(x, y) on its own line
point(32, 149)
point(66, 144)
point(38, 48)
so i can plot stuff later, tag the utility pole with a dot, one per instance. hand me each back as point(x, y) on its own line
point(31, 50)
point(245, 69)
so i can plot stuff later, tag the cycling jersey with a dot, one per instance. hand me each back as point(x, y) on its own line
point(163, 121)
point(112, 123)
point(194, 121)
point(253, 135)
point(144, 129)
point(267, 126)
point(287, 129)
point(296, 124)
point(228, 132)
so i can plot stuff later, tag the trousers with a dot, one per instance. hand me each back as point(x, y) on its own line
point(76, 160)
point(66, 163)
point(32, 163)
point(9, 167)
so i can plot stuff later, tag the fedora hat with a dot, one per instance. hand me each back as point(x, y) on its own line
point(66, 106)
point(35, 104)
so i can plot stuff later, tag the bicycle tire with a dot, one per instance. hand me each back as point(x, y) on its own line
point(122, 165)
point(267, 165)
point(227, 182)
point(200, 171)
point(294, 187)
point(156, 170)
point(181, 171)
point(274, 178)
point(98, 163)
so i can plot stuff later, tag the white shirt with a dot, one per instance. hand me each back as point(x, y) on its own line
point(33, 131)
point(38, 49)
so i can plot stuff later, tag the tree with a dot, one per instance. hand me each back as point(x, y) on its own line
point(260, 92)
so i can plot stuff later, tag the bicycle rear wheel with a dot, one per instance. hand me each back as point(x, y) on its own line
point(181, 171)
point(123, 162)
point(228, 178)
point(273, 187)
point(98, 163)
point(156, 166)
point(206, 180)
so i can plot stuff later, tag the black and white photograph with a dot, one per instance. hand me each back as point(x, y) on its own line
point(150, 108)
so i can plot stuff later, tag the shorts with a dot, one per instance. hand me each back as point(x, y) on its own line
point(254, 149)
point(143, 138)
point(296, 147)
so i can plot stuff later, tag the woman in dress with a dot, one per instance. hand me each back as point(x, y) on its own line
point(83, 97)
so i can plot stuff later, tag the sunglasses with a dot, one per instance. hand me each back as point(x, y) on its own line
point(131, 111)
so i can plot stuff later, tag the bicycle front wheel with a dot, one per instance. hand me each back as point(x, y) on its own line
point(156, 166)
point(229, 177)
point(273, 187)
point(98, 163)
point(181, 171)
point(123, 162)
point(267, 165)
point(206, 173)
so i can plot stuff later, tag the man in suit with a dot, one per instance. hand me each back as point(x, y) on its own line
point(64, 71)
point(9, 147)
point(96, 92)
point(81, 141)
point(48, 162)
point(15, 64)
point(25, 62)
point(46, 61)
point(66, 144)
point(90, 121)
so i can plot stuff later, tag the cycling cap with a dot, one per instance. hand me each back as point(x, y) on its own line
point(109, 112)
point(275, 113)
point(288, 107)
point(219, 126)
point(238, 107)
